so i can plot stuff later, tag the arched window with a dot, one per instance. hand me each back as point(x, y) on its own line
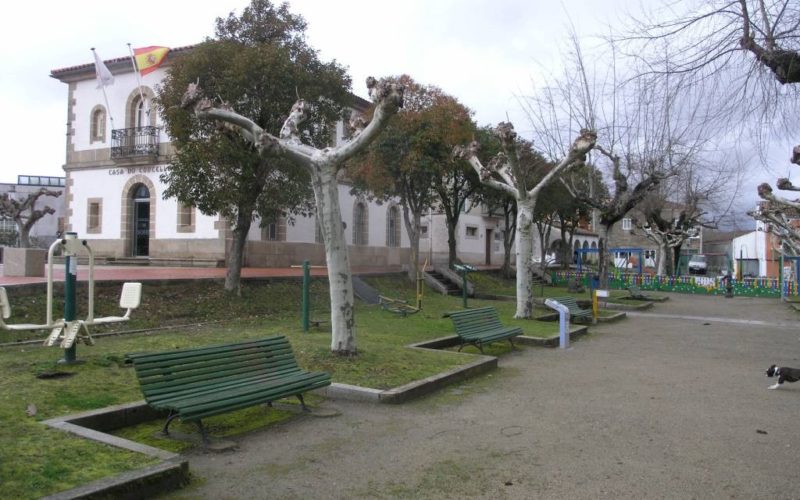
point(140, 114)
point(97, 127)
point(360, 224)
point(141, 193)
point(140, 111)
point(393, 226)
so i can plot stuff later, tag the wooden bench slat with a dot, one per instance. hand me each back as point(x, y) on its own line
point(177, 368)
point(208, 356)
point(156, 390)
point(245, 403)
point(198, 351)
point(215, 399)
point(216, 396)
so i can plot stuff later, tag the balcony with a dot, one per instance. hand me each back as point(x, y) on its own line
point(134, 142)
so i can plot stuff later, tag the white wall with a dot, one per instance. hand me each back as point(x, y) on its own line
point(87, 96)
point(109, 184)
point(751, 246)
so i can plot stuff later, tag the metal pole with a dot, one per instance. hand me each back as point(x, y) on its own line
point(464, 293)
point(563, 328)
point(70, 277)
point(306, 280)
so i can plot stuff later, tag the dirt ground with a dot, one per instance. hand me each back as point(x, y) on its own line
point(670, 403)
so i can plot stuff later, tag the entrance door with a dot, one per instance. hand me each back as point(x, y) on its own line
point(141, 222)
point(489, 247)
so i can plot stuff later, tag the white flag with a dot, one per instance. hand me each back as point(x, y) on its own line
point(104, 76)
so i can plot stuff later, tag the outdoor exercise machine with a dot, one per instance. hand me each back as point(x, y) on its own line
point(402, 307)
point(463, 270)
point(306, 301)
point(68, 330)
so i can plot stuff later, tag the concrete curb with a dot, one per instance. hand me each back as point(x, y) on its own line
point(141, 483)
point(628, 305)
point(602, 319)
point(171, 473)
point(416, 388)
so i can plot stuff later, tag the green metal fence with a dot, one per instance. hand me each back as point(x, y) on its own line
point(706, 285)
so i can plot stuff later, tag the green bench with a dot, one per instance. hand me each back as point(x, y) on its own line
point(576, 312)
point(637, 294)
point(481, 326)
point(200, 382)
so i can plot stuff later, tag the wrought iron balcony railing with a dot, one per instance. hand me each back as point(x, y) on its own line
point(134, 142)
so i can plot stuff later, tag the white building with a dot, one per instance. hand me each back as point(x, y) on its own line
point(757, 254)
point(117, 151)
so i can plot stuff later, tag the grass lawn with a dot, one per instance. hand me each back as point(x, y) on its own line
point(38, 461)
point(493, 283)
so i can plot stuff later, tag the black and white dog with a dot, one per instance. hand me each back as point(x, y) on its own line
point(784, 375)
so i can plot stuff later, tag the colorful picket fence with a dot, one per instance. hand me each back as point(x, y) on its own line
point(707, 285)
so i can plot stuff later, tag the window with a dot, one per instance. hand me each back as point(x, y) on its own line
point(41, 180)
point(626, 224)
point(7, 225)
point(94, 215)
point(139, 111)
point(423, 232)
point(185, 218)
point(274, 230)
point(360, 224)
point(140, 114)
point(393, 227)
point(472, 232)
point(97, 132)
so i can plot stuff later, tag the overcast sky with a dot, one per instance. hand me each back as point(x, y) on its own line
point(481, 51)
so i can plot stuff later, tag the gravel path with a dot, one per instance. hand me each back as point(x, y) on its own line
point(669, 405)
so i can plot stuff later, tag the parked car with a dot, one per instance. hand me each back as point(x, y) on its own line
point(697, 264)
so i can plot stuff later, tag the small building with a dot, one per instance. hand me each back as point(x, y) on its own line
point(625, 234)
point(757, 253)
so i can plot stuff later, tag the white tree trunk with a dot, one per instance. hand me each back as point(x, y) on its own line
point(524, 253)
point(326, 194)
point(664, 250)
point(322, 164)
point(504, 173)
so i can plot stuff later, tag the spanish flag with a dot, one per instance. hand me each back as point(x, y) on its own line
point(149, 58)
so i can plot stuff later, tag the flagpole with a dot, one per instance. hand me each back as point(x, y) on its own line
point(105, 98)
point(138, 81)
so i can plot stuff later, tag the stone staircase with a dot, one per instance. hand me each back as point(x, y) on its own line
point(446, 281)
